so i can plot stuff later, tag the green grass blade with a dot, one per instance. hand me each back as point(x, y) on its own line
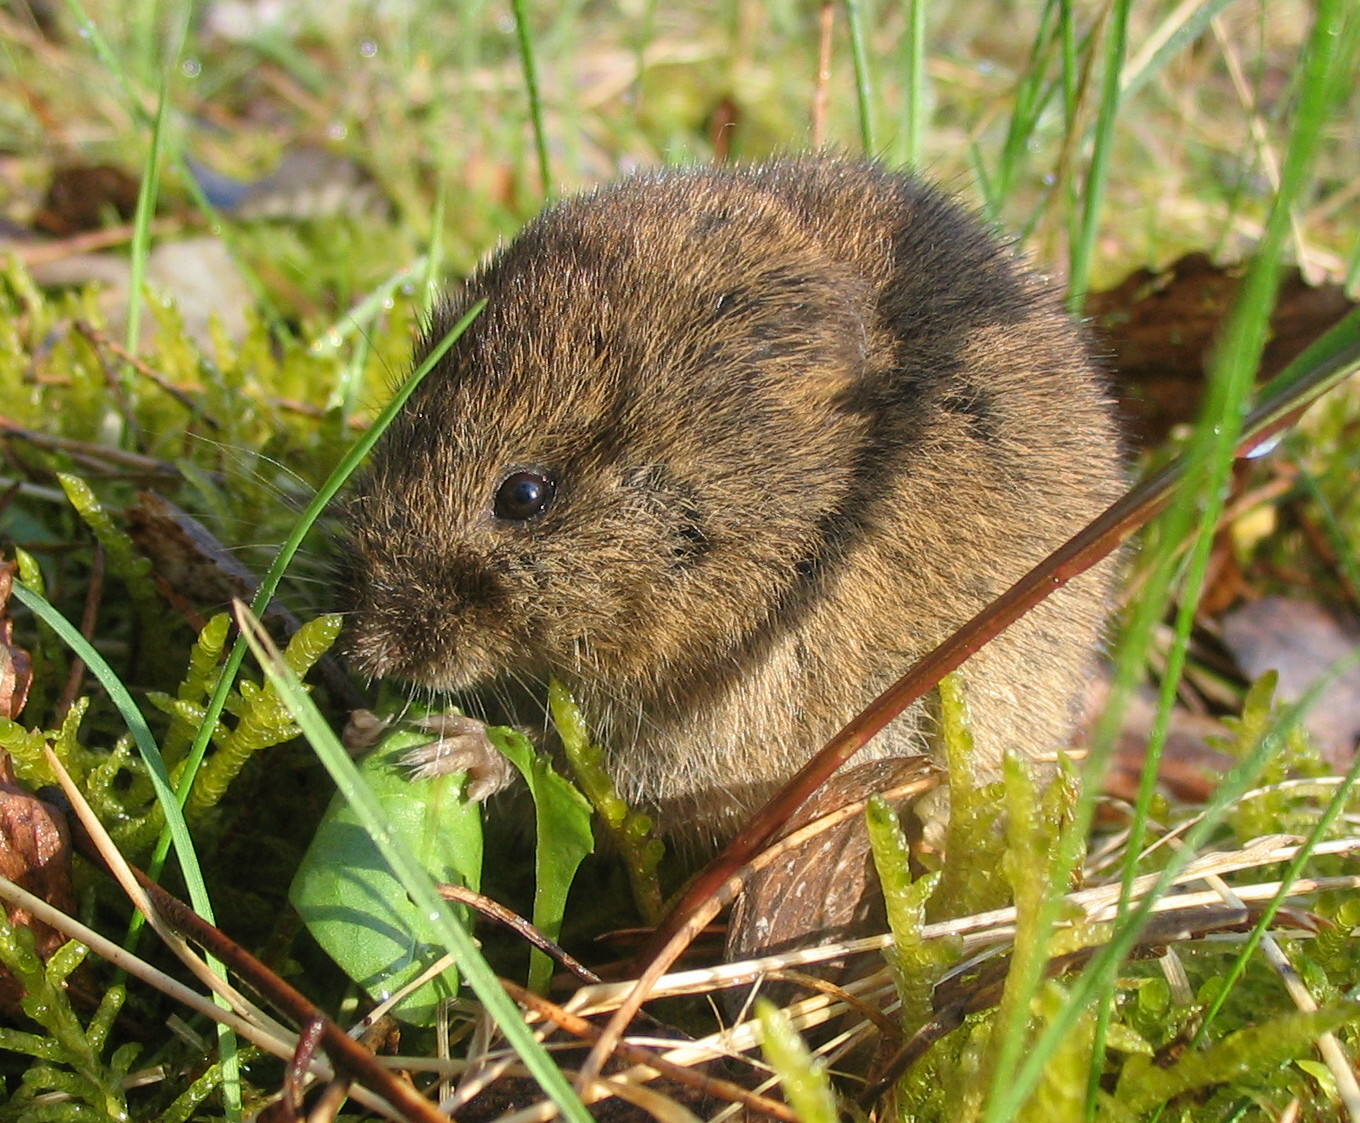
point(1196, 512)
point(141, 231)
point(914, 69)
point(1180, 29)
point(1336, 807)
point(864, 87)
point(526, 57)
point(1031, 96)
point(176, 828)
point(1093, 191)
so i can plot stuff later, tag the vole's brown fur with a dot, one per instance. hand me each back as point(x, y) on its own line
point(804, 419)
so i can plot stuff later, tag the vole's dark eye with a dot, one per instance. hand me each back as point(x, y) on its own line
point(525, 494)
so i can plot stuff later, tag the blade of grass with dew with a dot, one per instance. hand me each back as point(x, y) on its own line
point(1233, 369)
point(431, 264)
point(104, 53)
point(414, 879)
point(1031, 96)
point(270, 582)
point(141, 230)
point(1230, 385)
point(344, 396)
point(357, 318)
point(1328, 361)
point(1209, 461)
point(150, 185)
point(1093, 191)
point(526, 58)
point(864, 86)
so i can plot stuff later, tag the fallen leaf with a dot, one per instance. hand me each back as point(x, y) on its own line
point(1301, 640)
point(826, 889)
point(82, 197)
point(1158, 328)
point(35, 854)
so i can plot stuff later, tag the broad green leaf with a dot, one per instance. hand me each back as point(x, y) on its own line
point(352, 902)
point(562, 839)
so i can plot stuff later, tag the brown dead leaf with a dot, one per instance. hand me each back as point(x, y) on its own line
point(192, 568)
point(16, 668)
point(1301, 639)
point(1158, 328)
point(82, 196)
point(35, 853)
point(1189, 768)
point(194, 572)
point(826, 889)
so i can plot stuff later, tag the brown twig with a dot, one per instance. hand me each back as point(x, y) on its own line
point(347, 1055)
point(100, 341)
point(41, 253)
point(103, 456)
point(634, 1054)
point(523, 928)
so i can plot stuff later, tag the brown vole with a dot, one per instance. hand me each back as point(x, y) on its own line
point(726, 451)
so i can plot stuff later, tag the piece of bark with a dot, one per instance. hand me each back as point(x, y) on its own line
point(35, 854)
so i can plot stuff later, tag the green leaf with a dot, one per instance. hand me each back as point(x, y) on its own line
point(356, 907)
point(415, 881)
point(562, 839)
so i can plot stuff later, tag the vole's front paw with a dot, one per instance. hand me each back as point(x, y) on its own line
point(363, 730)
point(461, 745)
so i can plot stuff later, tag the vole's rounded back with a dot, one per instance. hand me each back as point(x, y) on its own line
point(726, 451)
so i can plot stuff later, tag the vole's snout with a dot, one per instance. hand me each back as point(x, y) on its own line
point(425, 616)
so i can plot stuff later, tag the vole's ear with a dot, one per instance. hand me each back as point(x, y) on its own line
point(816, 335)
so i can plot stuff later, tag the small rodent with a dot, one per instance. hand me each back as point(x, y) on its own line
point(726, 451)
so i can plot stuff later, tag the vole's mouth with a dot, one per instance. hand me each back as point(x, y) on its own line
point(431, 656)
